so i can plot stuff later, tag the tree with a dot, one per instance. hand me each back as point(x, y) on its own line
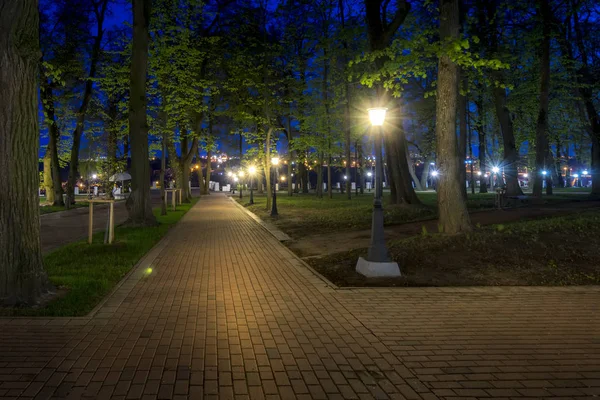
point(452, 207)
point(22, 276)
point(99, 9)
point(139, 204)
point(541, 137)
point(380, 34)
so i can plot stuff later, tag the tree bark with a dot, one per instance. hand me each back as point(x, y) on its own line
point(452, 208)
point(22, 275)
point(48, 184)
point(329, 179)
point(462, 138)
point(482, 146)
point(139, 203)
point(380, 34)
point(87, 95)
point(163, 168)
point(53, 138)
point(541, 136)
point(184, 163)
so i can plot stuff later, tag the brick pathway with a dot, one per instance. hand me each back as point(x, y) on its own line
point(228, 312)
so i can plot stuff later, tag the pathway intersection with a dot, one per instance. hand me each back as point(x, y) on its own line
point(229, 312)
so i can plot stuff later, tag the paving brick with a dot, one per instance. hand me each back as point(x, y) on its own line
point(228, 312)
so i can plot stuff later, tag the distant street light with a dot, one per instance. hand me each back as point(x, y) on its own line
point(275, 163)
point(94, 176)
point(378, 262)
point(252, 171)
point(434, 173)
point(544, 173)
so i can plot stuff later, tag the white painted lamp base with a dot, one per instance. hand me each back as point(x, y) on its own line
point(377, 269)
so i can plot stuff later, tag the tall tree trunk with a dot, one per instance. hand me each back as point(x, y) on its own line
point(329, 178)
point(319, 170)
point(470, 144)
point(87, 95)
point(267, 168)
point(511, 154)
point(380, 36)
point(22, 276)
point(206, 186)
point(53, 138)
point(541, 136)
point(462, 139)
point(425, 173)
point(292, 156)
point(587, 95)
point(411, 169)
point(48, 184)
point(139, 204)
point(163, 168)
point(184, 164)
point(363, 175)
point(452, 208)
point(482, 146)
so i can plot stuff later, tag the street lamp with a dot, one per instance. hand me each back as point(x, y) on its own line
point(251, 171)
point(275, 163)
point(370, 175)
point(378, 262)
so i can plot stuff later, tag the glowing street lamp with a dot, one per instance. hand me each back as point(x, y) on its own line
point(378, 262)
point(275, 163)
point(585, 172)
point(434, 174)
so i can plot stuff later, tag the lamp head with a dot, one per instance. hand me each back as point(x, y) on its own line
point(434, 173)
point(495, 170)
point(377, 115)
point(252, 170)
point(275, 160)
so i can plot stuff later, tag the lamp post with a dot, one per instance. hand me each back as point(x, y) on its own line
point(252, 171)
point(275, 163)
point(378, 262)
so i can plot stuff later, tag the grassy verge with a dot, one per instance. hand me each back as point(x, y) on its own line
point(305, 214)
point(553, 251)
point(51, 209)
point(87, 273)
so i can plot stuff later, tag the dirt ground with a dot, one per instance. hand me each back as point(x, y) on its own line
point(320, 245)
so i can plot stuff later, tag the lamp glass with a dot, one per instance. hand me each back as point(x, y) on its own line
point(275, 160)
point(377, 115)
point(495, 170)
point(252, 169)
point(585, 172)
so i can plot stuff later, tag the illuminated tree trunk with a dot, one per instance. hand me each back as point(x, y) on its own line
point(452, 208)
point(22, 276)
point(139, 203)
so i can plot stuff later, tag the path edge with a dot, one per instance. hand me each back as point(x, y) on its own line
point(265, 225)
point(136, 272)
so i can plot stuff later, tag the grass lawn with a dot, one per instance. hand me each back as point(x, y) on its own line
point(552, 251)
point(46, 209)
point(87, 273)
point(305, 214)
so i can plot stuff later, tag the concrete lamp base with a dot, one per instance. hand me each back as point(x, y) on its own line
point(373, 269)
